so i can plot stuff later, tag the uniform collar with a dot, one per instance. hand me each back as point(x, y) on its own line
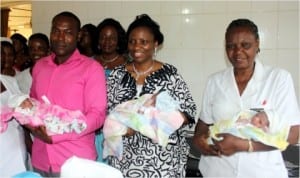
point(228, 81)
point(258, 74)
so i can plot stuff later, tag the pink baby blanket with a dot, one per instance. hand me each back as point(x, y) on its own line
point(56, 119)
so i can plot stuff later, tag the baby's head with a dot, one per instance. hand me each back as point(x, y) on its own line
point(260, 122)
point(20, 100)
point(26, 104)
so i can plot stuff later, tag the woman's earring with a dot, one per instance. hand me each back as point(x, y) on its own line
point(155, 52)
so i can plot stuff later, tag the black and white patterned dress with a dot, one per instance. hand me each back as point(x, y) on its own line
point(142, 157)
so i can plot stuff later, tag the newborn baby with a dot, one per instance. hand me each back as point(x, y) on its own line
point(253, 125)
point(56, 119)
point(258, 120)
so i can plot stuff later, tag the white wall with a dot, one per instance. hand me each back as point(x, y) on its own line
point(194, 30)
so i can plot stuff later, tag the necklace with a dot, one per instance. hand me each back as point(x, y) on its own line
point(138, 74)
point(105, 62)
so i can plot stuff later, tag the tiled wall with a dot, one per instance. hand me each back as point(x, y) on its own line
point(194, 30)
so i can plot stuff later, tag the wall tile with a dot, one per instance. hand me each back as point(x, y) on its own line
point(170, 8)
point(288, 5)
point(267, 25)
point(140, 7)
point(97, 11)
point(214, 61)
point(289, 59)
point(113, 8)
point(193, 7)
point(268, 57)
point(264, 6)
point(239, 6)
point(193, 31)
point(171, 27)
point(288, 29)
point(213, 32)
point(214, 6)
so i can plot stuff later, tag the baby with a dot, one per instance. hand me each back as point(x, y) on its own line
point(259, 120)
point(56, 119)
point(253, 125)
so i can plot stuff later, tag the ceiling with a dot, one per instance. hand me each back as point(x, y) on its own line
point(19, 15)
point(9, 3)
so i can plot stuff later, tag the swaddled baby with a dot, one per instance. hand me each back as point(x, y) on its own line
point(56, 119)
point(247, 125)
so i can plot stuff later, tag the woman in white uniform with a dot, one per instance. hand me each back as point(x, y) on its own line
point(12, 144)
point(246, 85)
point(13, 150)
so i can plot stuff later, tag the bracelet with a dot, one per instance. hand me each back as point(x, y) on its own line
point(250, 149)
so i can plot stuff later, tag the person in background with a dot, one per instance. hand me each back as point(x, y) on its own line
point(13, 149)
point(8, 59)
point(145, 75)
point(247, 85)
point(111, 47)
point(22, 60)
point(38, 46)
point(87, 43)
point(112, 44)
point(74, 82)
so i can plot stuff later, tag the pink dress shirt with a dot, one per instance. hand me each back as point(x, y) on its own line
point(77, 84)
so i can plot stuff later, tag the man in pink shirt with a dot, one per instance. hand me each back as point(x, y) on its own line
point(72, 81)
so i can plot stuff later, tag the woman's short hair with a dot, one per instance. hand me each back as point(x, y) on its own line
point(243, 23)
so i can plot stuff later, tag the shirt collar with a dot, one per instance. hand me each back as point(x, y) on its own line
point(74, 57)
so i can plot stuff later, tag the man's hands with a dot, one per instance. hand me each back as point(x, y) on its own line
point(40, 132)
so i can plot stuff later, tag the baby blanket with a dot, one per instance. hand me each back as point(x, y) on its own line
point(56, 119)
point(156, 122)
point(240, 126)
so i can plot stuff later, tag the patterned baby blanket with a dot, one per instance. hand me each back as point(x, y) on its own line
point(56, 119)
point(275, 135)
point(156, 122)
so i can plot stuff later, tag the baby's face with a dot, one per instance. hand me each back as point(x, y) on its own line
point(26, 104)
point(260, 120)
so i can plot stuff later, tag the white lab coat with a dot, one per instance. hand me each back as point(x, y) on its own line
point(24, 80)
point(12, 145)
point(269, 88)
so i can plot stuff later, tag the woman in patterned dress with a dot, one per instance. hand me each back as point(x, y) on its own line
point(145, 75)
